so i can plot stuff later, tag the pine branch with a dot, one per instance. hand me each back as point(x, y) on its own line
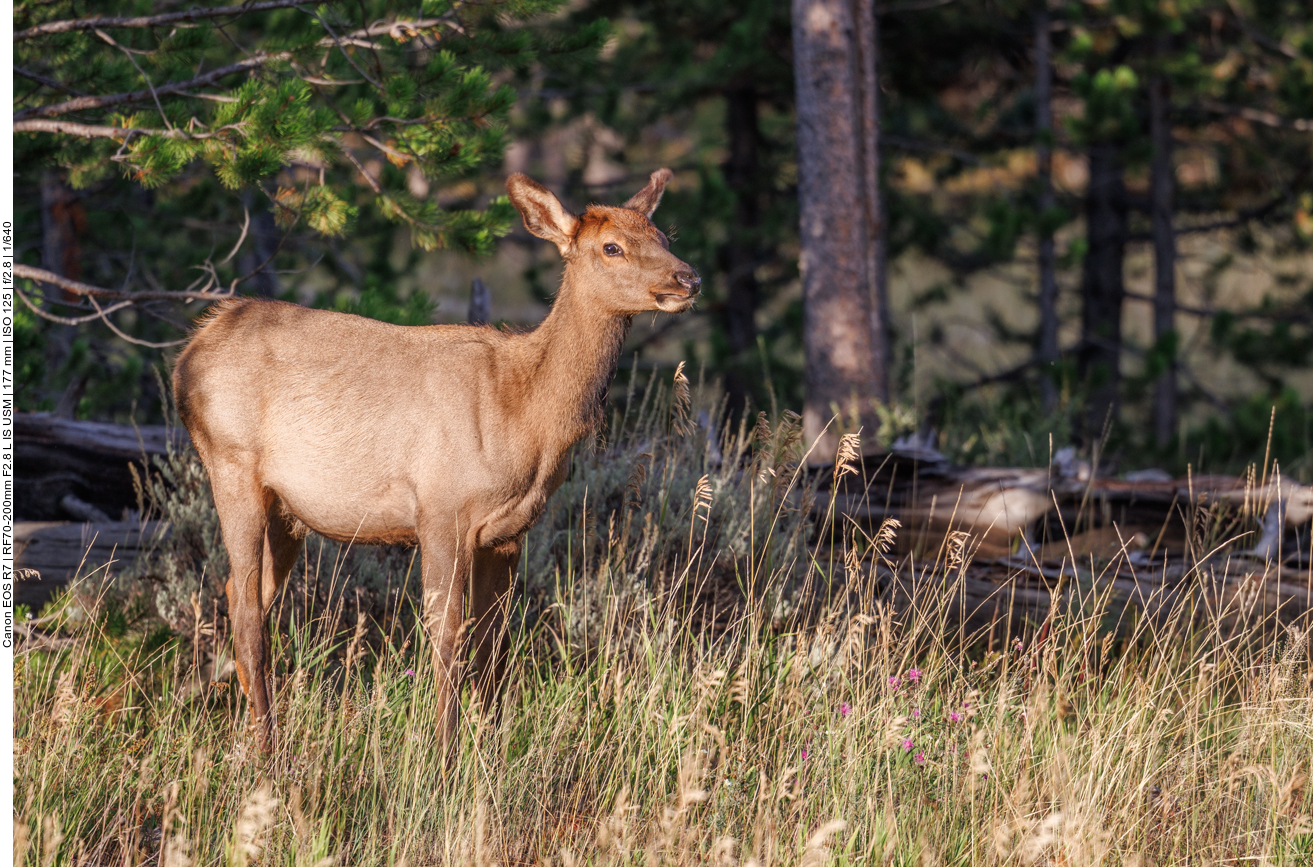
point(176, 87)
point(398, 29)
point(146, 21)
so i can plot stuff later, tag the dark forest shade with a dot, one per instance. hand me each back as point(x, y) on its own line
point(1046, 350)
point(742, 174)
point(1103, 286)
point(1162, 194)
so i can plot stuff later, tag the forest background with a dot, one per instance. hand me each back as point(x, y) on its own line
point(1033, 225)
point(1092, 222)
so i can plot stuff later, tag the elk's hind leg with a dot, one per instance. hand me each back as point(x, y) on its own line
point(490, 587)
point(243, 506)
point(282, 544)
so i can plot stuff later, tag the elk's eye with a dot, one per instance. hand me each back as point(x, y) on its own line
point(611, 249)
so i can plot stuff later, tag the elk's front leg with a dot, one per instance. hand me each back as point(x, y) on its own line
point(446, 566)
point(490, 587)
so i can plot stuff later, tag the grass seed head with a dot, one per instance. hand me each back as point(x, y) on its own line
point(254, 821)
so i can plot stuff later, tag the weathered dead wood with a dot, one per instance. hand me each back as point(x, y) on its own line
point(57, 458)
point(1231, 549)
point(49, 554)
point(1060, 512)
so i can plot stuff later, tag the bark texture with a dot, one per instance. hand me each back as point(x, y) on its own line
point(868, 47)
point(845, 371)
point(1102, 286)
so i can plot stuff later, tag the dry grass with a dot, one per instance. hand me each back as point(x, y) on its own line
point(690, 685)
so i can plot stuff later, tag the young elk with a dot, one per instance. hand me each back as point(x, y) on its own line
point(447, 436)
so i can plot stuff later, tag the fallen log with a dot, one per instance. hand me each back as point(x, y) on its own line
point(50, 554)
point(1064, 511)
point(67, 469)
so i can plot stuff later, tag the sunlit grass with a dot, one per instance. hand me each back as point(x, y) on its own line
point(690, 684)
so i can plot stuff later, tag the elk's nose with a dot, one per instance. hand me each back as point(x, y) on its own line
point(690, 280)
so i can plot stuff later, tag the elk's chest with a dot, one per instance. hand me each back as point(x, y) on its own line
point(517, 504)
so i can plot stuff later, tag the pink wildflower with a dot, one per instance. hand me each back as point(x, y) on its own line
point(895, 681)
point(914, 674)
point(804, 754)
point(907, 745)
point(919, 758)
point(954, 716)
point(410, 672)
point(845, 709)
point(916, 713)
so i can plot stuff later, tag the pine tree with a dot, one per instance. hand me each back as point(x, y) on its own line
point(208, 148)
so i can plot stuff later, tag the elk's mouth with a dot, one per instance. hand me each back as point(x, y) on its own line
point(671, 302)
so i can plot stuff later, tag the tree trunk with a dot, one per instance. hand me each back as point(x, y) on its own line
point(868, 46)
point(1047, 345)
point(844, 365)
point(1102, 286)
point(1164, 262)
point(62, 219)
point(742, 291)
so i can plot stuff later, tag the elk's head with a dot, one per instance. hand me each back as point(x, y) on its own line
point(614, 257)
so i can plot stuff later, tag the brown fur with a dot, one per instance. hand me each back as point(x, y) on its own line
point(449, 437)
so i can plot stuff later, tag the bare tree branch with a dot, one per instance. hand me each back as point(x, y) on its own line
point(1266, 118)
point(118, 133)
point(176, 87)
point(101, 314)
point(68, 320)
point(149, 344)
point(246, 224)
point(338, 42)
point(145, 21)
point(77, 287)
point(128, 52)
point(1277, 47)
point(46, 82)
point(911, 6)
point(1287, 314)
point(932, 147)
point(1239, 219)
point(398, 30)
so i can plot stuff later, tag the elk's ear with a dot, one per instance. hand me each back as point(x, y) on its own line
point(543, 213)
point(645, 201)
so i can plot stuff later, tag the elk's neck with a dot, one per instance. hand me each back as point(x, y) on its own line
point(576, 352)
